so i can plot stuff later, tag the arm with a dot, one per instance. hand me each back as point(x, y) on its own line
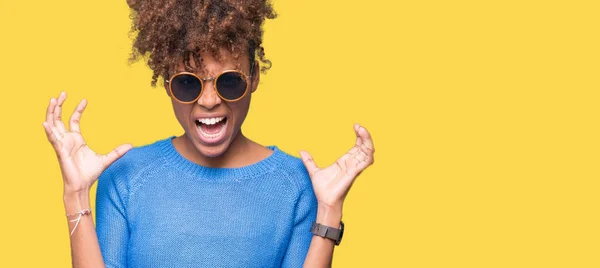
point(320, 250)
point(305, 213)
point(331, 185)
point(85, 251)
point(80, 168)
point(320, 253)
point(111, 217)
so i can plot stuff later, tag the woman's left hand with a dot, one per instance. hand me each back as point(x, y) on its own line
point(331, 184)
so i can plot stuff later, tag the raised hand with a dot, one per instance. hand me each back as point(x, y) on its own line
point(331, 184)
point(80, 165)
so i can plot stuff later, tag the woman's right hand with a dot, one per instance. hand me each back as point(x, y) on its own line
point(80, 165)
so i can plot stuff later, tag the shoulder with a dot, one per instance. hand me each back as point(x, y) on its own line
point(125, 175)
point(293, 169)
point(136, 160)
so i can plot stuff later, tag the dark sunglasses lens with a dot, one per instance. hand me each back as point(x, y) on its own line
point(185, 87)
point(231, 85)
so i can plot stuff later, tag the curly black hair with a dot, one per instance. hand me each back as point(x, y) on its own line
point(166, 31)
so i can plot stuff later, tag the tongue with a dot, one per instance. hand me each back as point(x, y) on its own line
point(212, 129)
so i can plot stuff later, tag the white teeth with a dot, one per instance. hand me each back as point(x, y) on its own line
point(210, 121)
point(211, 136)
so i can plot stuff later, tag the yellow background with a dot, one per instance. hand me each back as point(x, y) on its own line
point(484, 114)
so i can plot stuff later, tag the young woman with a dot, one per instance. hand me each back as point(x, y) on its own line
point(210, 197)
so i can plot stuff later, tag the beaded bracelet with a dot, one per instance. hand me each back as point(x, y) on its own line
point(86, 211)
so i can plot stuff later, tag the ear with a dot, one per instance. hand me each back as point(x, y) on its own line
point(166, 85)
point(255, 77)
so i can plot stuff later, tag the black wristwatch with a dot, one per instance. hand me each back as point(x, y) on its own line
point(334, 234)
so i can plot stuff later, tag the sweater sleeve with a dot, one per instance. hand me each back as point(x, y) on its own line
point(111, 218)
point(305, 215)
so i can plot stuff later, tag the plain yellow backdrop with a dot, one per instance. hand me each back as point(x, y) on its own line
point(484, 115)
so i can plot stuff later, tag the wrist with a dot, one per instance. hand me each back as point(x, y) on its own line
point(76, 188)
point(76, 201)
point(329, 215)
point(78, 192)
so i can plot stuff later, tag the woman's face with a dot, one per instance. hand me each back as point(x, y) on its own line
point(211, 139)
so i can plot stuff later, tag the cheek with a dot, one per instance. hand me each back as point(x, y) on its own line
point(182, 113)
point(240, 110)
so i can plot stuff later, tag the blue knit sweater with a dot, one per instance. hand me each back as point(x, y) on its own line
point(154, 208)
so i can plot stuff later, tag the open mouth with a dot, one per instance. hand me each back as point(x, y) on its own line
point(211, 129)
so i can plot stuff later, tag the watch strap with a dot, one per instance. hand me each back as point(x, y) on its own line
point(329, 232)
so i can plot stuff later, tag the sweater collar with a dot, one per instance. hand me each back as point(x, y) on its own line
point(173, 158)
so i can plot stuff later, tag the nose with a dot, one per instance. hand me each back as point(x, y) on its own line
point(209, 97)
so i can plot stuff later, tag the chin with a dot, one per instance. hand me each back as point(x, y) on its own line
point(209, 151)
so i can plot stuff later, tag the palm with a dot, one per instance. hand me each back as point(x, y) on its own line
point(78, 159)
point(331, 184)
point(80, 165)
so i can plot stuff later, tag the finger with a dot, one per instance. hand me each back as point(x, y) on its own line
point(361, 166)
point(111, 157)
point(370, 158)
point(58, 123)
point(355, 167)
point(360, 156)
point(352, 167)
point(50, 112)
point(52, 138)
point(76, 116)
point(359, 141)
point(309, 162)
point(56, 134)
point(354, 150)
point(365, 137)
point(49, 134)
point(358, 160)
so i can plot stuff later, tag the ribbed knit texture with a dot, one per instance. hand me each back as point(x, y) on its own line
point(154, 208)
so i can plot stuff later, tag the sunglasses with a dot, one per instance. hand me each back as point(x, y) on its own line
point(231, 85)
